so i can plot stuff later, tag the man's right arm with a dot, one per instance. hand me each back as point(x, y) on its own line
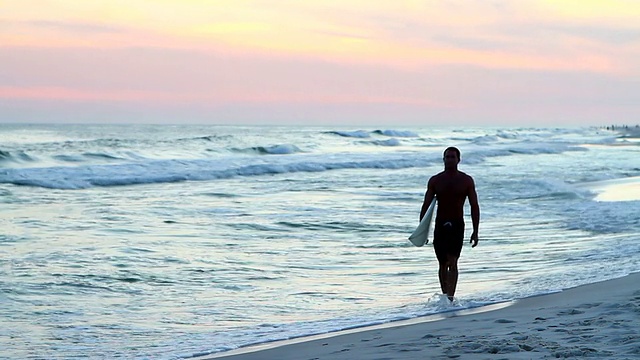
point(428, 198)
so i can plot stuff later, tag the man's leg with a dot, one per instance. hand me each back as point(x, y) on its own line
point(452, 276)
point(443, 274)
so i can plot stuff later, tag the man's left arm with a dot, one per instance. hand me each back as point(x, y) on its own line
point(475, 212)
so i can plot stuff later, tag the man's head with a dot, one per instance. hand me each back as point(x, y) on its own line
point(451, 157)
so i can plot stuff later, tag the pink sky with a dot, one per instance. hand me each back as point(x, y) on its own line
point(321, 62)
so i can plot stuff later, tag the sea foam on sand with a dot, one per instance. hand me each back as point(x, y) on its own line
point(600, 320)
point(625, 189)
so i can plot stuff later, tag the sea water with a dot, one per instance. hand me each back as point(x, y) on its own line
point(167, 242)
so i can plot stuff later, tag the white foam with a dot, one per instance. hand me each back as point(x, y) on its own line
point(166, 171)
point(282, 149)
point(623, 189)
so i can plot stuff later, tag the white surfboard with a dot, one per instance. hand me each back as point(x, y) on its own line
point(420, 235)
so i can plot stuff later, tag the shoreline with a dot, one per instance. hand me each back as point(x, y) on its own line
point(596, 320)
point(357, 329)
point(625, 131)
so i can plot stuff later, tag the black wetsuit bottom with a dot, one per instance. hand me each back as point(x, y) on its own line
point(448, 236)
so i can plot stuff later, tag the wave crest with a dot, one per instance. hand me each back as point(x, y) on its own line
point(174, 170)
point(396, 133)
point(355, 134)
point(15, 156)
point(283, 149)
point(388, 142)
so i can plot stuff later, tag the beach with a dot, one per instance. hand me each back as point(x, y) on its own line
point(178, 242)
point(600, 320)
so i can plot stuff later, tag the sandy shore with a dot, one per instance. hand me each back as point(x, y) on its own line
point(600, 320)
point(625, 189)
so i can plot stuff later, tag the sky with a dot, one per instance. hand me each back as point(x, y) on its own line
point(319, 62)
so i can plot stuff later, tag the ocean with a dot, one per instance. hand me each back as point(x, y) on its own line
point(173, 241)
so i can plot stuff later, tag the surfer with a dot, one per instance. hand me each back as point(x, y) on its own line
point(451, 188)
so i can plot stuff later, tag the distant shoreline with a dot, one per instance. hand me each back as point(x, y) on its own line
point(632, 131)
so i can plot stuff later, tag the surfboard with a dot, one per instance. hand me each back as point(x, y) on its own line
point(420, 235)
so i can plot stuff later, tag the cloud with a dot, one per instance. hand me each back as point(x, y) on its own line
point(605, 34)
point(180, 76)
point(75, 27)
point(161, 78)
point(64, 26)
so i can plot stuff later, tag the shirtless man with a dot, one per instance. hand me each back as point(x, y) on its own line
point(451, 188)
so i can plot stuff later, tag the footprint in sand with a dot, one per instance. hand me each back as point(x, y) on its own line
point(589, 305)
point(375, 338)
point(571, 312)
point(341, 351)
point(504, 321)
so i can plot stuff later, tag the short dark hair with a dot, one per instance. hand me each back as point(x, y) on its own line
point(452, 148)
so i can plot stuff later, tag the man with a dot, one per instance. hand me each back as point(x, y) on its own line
point(451, 188)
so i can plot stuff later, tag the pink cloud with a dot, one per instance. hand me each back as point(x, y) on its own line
point(167, 98)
